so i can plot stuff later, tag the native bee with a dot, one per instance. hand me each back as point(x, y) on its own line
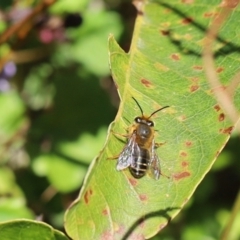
point(139, 153)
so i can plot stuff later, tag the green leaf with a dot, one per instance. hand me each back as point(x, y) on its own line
point(69, 157)
point(90, 50)
point(12, 200)
point(12, 122)
point(26, 229)
point(54, 167)
point(37, 90)
point(65, 6)
point(12, 115)
point(164, 67)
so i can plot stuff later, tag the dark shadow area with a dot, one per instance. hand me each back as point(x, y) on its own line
point(163, 213)
point(70, 159)
point(80, 106)
point(227, 49)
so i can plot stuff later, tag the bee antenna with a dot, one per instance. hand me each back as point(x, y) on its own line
point(138, 105)
point(158, 111)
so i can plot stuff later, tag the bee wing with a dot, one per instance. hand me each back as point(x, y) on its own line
point(126, 157)
point(154, 164)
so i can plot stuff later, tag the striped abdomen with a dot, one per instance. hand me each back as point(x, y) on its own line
point(140, 162)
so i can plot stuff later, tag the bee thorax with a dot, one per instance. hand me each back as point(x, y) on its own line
point(144, 131)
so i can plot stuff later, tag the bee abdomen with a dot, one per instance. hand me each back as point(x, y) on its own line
point(140, 164)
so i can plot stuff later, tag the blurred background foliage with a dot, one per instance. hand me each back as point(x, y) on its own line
point(56, 101)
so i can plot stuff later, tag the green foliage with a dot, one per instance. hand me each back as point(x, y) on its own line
point(84, 148)
point(50, 124)
point(65, 6)
point(13, 203)
point(5, 4)
point(90, 49)
point(26, 229)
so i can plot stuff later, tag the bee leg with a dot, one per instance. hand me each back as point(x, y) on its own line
point(164, 175)
point(113, 157)
point(157, 145)
point(117, 135)
point(120, 134)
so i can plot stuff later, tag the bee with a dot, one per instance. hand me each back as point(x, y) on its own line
point(139, 154)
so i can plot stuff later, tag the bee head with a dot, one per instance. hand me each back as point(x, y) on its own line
point(143, 119)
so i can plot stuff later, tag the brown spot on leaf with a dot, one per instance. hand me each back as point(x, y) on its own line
point(183, 154)
point(105, 212)
point(133, 181)
point(217, 107)
point(187, 20)
point(184, 164)
point(175, 57)
point(219, 69)
point(188, 143)
point(221, 117)
point(143, 197)
point(87, 196)
point(146, 83)
point(86, 199)
point(165, 32)
point(194, 88)
point(181, 175)
point(227, 130)
point(198, 67)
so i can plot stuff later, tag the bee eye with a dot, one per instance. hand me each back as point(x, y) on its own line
point(150, 123)
point(138, 120)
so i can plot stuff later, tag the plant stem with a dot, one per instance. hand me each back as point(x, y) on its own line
point(236, 209)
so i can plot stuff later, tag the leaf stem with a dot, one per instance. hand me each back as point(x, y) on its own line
point(222, 96)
